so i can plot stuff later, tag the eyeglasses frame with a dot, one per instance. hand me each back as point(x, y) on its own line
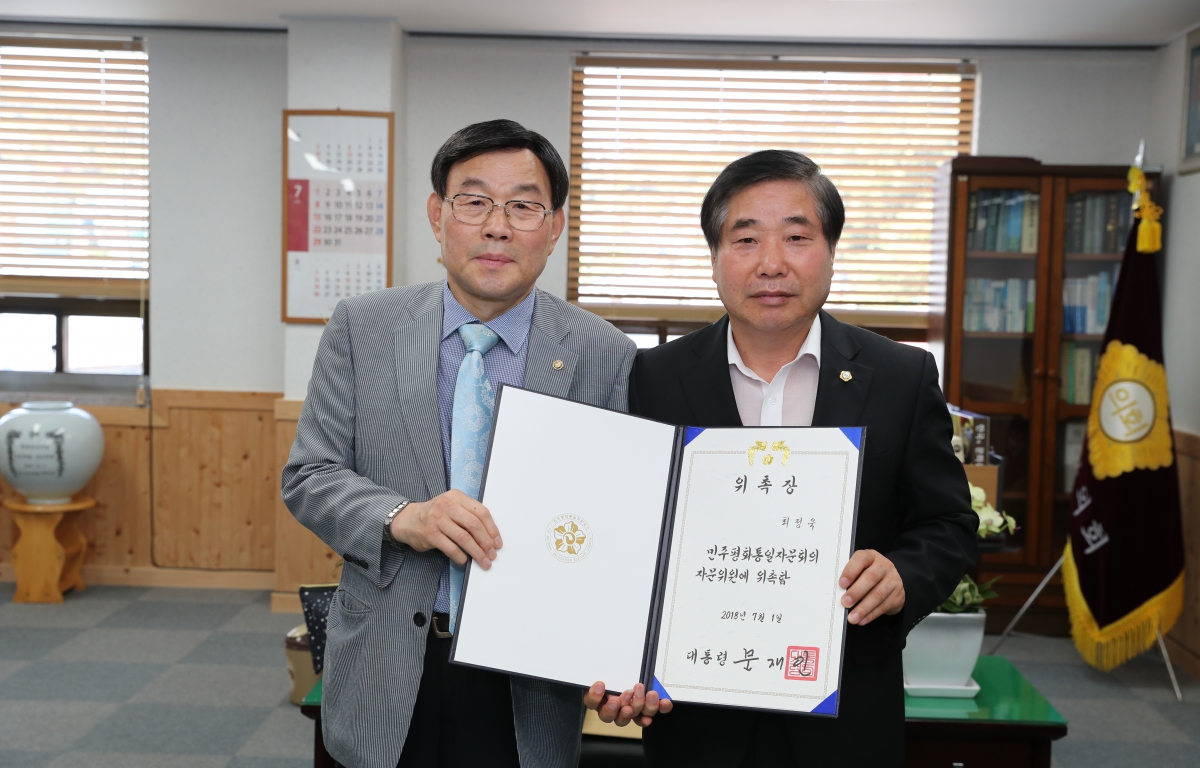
point(495, 205)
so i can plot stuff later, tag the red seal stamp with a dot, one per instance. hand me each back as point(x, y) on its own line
point(801, 663)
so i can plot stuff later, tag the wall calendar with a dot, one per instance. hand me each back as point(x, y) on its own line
point(337, 209)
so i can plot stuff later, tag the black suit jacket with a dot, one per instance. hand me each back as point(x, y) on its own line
point(914, 507)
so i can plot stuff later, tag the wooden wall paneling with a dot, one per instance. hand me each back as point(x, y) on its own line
point(118, 528)
point(214, 480)
point(1185, 637)
point(226, 505)
point(300, 557)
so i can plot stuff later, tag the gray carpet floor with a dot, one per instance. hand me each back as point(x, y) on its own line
point(190, 678)
point(148, 678)
point(1127, 717)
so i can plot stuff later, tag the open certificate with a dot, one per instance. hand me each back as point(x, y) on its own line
point(702, 563)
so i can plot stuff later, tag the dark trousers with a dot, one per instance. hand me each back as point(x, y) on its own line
point(463, 717)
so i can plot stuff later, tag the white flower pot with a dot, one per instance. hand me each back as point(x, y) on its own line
point(49, 450)
point(942, 650)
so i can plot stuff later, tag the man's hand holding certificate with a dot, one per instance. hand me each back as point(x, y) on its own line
point(731, 543)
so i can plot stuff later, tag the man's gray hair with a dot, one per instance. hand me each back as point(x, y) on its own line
point(771, 165)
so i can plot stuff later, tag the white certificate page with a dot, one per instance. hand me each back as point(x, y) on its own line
point(579, 495)
point(763, 527)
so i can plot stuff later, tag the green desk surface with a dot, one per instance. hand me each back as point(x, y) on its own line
point(313, 699)
point(1005, 696)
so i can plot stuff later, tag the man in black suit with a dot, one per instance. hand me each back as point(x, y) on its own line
point(772, 222)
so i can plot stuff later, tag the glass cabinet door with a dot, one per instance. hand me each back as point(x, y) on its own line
point(998, 353)
point(1097, 215)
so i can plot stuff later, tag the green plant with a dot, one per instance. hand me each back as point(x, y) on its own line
point(968, 596)
point(990, 521)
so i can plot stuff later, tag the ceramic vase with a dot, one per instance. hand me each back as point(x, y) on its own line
point(942, 650)
point(50, 450)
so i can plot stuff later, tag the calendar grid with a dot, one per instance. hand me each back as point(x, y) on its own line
point(337, 212)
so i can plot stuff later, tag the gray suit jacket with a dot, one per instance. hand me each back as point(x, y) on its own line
point(369, 438)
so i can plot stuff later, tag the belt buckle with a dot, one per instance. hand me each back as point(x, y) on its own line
point(436, 624)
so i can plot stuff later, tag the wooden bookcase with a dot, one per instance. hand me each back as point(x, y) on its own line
point(1010, 368)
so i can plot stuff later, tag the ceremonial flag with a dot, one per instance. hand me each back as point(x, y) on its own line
point(1123, 566)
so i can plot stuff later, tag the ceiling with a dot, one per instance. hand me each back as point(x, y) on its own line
point(1004, 22)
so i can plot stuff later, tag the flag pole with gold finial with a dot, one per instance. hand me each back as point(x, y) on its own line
point(1123, 566)
point(1126, 468)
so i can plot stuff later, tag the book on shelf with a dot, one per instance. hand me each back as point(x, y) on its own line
point(1003, 221)
point(1097, 222)
point(1083, 375)
point(973, 431)
point(1110, 225)
point(1030, 304)
point(999, 306)
point(1066, 353)
point(1077, 373)
point(1029, 224)
point(1074, 224)
point(1087, 301)
point(1014, 216)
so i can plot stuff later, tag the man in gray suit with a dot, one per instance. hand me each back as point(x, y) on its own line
point(370, 470)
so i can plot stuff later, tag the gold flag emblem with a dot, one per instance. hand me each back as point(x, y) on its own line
point(1128, 427)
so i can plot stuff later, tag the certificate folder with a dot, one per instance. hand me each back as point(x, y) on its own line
point(702, 563)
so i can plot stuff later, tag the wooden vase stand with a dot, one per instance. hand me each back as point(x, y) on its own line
point(48, 557)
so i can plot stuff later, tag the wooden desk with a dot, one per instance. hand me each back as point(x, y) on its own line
point(1007, 725)
point(49, 555)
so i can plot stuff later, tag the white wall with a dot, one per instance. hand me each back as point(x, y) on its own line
point(453, 82)
point(1181, 231)
point(351, 64)
point(214, 209)
point(1067, 107)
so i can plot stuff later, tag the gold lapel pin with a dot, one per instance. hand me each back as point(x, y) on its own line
point(557, 365)
point(845, 376)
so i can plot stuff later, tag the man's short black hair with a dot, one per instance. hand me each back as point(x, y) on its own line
point(771, 165)
point(495, 136)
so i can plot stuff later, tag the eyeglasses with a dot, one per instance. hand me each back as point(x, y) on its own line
point(521, 214)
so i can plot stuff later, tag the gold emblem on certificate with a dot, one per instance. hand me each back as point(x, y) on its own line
point(769, 458)
point(569, 538)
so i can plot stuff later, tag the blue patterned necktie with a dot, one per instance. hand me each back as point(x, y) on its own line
point(470, 427)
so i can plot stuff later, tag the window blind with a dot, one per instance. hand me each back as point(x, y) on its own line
point(649, 139)
point(74, 162)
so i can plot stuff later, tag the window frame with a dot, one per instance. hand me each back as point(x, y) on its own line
point(63, 296)
point(62, 307)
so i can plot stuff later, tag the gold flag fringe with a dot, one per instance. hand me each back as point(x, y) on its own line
point(1127, 637)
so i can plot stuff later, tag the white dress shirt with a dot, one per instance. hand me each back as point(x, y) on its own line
point(789, 398)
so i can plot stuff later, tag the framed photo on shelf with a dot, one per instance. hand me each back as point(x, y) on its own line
point(1189, 161)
